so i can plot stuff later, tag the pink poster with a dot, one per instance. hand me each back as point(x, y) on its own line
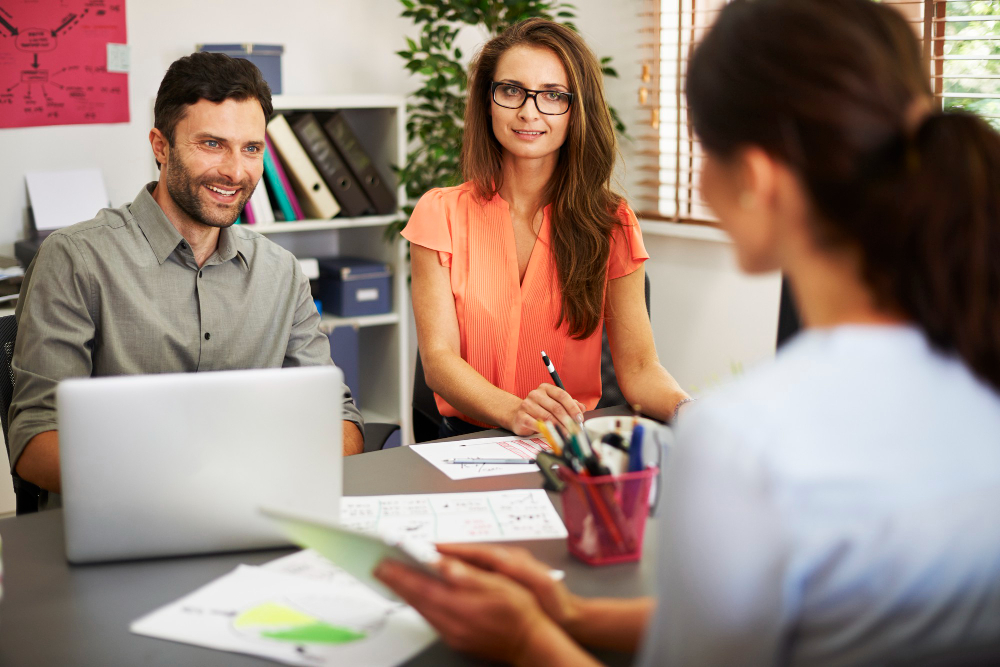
point(62, 62)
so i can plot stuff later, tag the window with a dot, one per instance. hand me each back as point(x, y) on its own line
point(961, 45)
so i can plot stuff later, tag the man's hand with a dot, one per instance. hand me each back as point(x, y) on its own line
point(354, 442)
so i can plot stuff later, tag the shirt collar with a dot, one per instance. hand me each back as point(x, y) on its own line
point(164, 238)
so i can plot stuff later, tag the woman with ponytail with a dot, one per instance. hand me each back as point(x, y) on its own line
point(534, 252)
point(841, 505)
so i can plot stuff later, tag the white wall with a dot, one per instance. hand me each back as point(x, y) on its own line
point(705, 314)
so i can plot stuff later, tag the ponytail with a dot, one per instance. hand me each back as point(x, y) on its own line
point(929, 234)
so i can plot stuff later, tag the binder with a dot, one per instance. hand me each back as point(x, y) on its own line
point(247, 214)
point(316, 199)
point(275, 186)
point(283, 177)
point(261, 205)
point(378, 191)
point(343, 185)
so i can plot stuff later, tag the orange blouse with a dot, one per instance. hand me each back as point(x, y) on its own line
point(503, 324)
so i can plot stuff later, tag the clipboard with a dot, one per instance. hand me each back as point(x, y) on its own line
point(354, 552)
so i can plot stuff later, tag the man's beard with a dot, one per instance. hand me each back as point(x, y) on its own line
point(186, 193)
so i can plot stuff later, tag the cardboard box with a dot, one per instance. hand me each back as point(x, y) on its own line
point(353, 286)
point(267, 58)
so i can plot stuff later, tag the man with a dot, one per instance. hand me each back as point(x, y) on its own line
point(166, 283)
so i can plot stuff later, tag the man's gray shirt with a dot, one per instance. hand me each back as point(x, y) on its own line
point(122, 294)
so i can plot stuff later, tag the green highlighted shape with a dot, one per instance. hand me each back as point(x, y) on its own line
point(288, 624)
point(317, 633)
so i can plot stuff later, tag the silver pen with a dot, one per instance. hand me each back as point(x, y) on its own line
point(489, 461)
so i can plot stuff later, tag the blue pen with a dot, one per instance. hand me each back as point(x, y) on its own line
point(635, 450)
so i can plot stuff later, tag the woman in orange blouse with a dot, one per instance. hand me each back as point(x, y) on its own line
point(534, 252)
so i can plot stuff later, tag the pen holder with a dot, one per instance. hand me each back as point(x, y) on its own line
point(606, 516)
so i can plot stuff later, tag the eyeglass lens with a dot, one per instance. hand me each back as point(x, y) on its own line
point(548, 102)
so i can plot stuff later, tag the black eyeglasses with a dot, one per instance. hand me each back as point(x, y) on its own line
point(548, 102)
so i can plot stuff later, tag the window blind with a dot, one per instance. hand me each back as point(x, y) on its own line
point(961, 48)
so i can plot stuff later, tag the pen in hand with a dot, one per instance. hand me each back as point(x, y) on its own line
point(557, 381)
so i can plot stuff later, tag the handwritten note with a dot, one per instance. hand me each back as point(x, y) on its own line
point(524, 514)
point(439, 454)
point(54, 65)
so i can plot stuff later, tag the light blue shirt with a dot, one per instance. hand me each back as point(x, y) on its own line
point(840, 506)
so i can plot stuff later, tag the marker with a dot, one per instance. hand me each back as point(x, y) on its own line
point(557, 380)
point(487, 461)
point(635, 463)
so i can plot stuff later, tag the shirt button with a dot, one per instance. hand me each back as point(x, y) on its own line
point(199, 274)
point(207, 335)
point(183, 245)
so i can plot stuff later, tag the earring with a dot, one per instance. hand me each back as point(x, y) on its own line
point(747, 201)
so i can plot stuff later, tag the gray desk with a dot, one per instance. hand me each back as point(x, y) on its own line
point(56, 614)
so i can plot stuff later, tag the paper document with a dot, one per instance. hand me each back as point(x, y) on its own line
point(440, 453)
point(61, 198)
point(491, 516)
point(285, 614)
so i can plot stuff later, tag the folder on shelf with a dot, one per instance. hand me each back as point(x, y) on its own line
point(360, 163)
point(247, 215)
point(281, 192)
point(343, 185)
point(316, 199)
point(261, 205)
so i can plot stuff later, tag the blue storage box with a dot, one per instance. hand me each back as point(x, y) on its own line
point(344, 352)
point(353, 286)
point(267, 58)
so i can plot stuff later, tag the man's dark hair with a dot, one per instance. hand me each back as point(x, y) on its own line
point(207, 76)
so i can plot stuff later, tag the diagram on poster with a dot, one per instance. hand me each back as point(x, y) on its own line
point(63, 62)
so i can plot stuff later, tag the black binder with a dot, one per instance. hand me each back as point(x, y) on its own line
point(342, 183)
point(357, 159)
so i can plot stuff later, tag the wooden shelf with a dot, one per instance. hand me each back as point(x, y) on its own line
point(329, 322)
point(335, 223)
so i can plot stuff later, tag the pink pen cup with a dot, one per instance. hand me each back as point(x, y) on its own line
point(606, 516)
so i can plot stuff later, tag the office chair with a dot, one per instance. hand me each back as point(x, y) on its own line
point(427, 419)
point(25, 493)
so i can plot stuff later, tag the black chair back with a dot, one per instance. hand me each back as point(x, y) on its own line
point(427, 419)
point(26, 494)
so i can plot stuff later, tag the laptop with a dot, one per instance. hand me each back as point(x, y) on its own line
point(180, 463)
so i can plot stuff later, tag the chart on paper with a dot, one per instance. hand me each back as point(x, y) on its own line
point(523, 514)
point(63, 62)
point(440, 455)
point(291, 619)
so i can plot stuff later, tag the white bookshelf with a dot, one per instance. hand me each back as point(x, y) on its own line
point(379, 123)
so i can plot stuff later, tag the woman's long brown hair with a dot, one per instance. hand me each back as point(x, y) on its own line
point(831, 87)
point(584, 208)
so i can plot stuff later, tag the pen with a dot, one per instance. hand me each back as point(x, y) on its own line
point(556, 379)
point(635, 463)
point(489, 461)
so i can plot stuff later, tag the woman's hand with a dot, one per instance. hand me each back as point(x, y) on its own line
point(552, 596)
point(546, 403)
point(482, 613)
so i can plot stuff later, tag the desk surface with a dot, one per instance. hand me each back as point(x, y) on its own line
point(53, 613)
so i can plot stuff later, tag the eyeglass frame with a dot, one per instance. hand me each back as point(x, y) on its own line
point(528, 93)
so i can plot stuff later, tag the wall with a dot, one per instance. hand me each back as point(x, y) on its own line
point(705, 314)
